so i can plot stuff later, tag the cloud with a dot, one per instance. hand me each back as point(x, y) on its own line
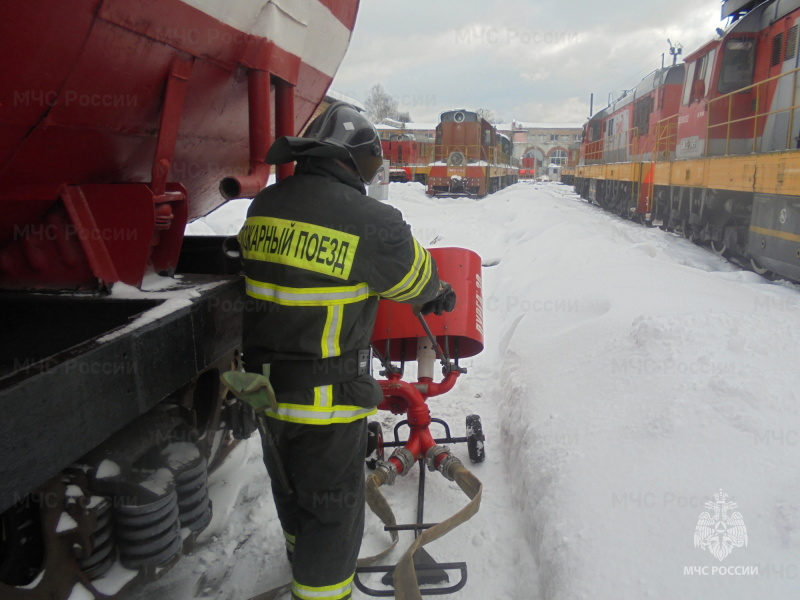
point(513, 56)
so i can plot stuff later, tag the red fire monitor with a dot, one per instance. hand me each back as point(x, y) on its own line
point(459, 333)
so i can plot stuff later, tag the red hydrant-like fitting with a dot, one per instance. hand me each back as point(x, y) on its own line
point(401, 397)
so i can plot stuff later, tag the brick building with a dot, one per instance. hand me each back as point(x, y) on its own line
point(546, 143)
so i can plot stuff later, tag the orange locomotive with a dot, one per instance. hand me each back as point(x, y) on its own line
point(470, 158)
point(409, 159)
point(712, 154)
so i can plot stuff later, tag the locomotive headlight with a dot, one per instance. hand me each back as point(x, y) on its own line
point(456, 159)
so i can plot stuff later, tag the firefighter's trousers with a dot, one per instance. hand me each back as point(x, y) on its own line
point(322, 512)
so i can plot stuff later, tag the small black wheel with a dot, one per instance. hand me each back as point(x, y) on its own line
point(374, 444)
point(475, 439)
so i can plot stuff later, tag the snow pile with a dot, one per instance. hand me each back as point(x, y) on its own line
point(628, 376)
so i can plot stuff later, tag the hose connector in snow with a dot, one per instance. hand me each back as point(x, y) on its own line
point(385, 472)
point(405, 458)
point(439, 459)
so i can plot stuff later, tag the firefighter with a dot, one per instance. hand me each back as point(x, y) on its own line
point(318, 254)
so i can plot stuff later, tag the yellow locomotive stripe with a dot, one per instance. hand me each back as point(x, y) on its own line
point(784, 235)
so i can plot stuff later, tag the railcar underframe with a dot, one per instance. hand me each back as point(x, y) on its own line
point(75, 370)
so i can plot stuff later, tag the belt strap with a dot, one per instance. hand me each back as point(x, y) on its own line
point(291, 375)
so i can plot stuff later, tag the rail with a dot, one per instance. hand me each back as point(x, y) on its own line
point(740, 124)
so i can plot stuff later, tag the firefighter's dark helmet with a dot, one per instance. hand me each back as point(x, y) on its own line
point(340, 132)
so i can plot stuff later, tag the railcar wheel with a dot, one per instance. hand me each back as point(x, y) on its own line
point(374, 444)
point(475, 439)
point(719, 248)
point(757, 268)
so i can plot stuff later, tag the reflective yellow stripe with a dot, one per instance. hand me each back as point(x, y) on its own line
point(323, 395)
point(288, 296)
point(783, 235)
point(297, 244)
point(289, 538)
point(328, 592)
point(331, 331)
point(422, 281)
point(410, 285)
point(319, 415)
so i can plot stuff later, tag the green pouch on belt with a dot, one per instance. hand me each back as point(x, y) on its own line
point(252, 388)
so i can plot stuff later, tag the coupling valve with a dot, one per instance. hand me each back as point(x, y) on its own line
point(387, 471)
point(406, 459)
point(446, 465)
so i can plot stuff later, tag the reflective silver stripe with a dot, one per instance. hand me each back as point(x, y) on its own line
point(323, 395)
point(422, 281)
point(331, 331)
point(306, 296)
point(413, 282)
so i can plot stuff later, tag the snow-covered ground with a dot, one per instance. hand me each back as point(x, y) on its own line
point(628, 376)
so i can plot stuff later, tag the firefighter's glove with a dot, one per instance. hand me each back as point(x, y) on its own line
point(252, 388)
point(445, 301)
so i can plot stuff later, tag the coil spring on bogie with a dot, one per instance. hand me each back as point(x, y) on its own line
point(102, 557)
point(149, 511)
point(148, 534)
point(191, 484)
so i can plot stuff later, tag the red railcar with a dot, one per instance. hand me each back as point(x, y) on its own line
point(720, 165)
point(119, 119)
point(639, 127)
point(527, 169)
point(409, 159)
point(470, 157)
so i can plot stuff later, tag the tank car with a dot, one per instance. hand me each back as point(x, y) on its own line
point(470, 158)
point(121, 121)
point(722, 166)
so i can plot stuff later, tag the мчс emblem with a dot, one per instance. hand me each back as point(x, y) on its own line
point(720, 533)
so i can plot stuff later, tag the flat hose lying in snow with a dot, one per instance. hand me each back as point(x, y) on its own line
point(405, 575)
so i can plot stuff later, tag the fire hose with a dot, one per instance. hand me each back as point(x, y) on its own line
point(405, 577)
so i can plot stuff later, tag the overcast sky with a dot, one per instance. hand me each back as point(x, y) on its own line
point(526, 60)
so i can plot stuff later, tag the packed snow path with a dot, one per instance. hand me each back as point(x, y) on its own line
point(628, 376)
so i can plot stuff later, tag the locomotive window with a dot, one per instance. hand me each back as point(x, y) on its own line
point(698, 78)
point(737, 65)
point(595, 128)
point(687, 88)
point(641, 115)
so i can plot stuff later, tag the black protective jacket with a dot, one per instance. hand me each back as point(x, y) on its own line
point(318, 254)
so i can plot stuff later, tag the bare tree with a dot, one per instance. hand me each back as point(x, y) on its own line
point(488, 114)
point(379, 104)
